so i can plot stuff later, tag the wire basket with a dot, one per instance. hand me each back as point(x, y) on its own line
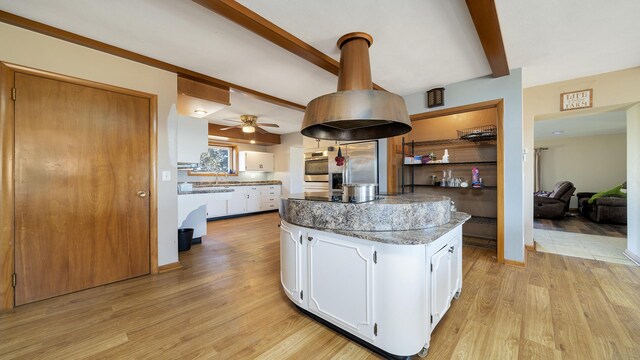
point(478, 133)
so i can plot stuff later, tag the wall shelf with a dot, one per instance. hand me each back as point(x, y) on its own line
point(456, 163)
point(486, 187)
point(490, 141)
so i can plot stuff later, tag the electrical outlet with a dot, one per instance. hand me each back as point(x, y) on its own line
point(166, 175)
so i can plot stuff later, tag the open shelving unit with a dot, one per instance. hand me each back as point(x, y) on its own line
point(464, 154)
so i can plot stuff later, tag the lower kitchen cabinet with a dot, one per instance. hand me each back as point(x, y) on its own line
point(248, 199)
point(389, 295)
point(340, 281)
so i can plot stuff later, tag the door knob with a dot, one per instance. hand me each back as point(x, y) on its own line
point(142, 193)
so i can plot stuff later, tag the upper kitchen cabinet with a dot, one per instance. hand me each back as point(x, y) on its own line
point(193, 139)
point(256, 161)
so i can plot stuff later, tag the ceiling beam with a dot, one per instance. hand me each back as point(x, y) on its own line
point(236, 135)
point(485, 18)
point(113, 50)
point(255, 23)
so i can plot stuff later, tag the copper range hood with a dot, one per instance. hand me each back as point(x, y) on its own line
point(356, 111)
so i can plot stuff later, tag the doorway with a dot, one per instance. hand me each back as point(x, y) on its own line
point(586, 154)
point(78, 173)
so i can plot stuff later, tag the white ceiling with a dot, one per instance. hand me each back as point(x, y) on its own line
point(607, 123)
point(288, 120)
point(556, 40)
point(418, 44)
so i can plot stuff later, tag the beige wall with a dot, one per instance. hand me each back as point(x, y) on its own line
point(38, 51)
point(591, 163)
point(609, 90)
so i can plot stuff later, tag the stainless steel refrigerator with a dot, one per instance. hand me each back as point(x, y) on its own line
point(361, 164)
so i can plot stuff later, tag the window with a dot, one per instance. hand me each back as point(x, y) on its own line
point(219, 159)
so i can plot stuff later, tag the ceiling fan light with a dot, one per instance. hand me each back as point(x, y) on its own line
point(248, 129)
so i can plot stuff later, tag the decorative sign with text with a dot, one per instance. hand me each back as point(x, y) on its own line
point(576, 100)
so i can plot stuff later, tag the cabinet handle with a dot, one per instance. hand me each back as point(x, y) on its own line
point(310, 238)
point(451, 249)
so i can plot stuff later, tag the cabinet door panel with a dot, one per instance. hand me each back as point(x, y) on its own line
point(456, 265)
point(440, 284)
point(253, 201)
point(291, 261)
point(216, 208)
point(341, 282)
point(238, 202)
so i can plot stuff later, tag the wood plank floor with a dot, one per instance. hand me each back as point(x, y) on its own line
point(580, 224)
point(226, 303)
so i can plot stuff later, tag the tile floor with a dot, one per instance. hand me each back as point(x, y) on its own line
point(598, 247)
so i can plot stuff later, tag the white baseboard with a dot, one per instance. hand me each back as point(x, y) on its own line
point(633, 257)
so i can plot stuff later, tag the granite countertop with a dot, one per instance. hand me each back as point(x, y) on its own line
point(203, 191)
point(235, 183)
point(386, 213)
point(406, 237)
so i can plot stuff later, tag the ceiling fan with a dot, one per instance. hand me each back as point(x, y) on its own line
point(249, 124)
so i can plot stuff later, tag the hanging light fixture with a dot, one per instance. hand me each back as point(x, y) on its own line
point(356, 111)
point(248, 129)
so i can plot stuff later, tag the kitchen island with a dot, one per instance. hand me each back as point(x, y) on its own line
point(382, 272)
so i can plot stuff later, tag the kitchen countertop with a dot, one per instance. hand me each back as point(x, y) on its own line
point(205, 191)
point(235, 183)
point(387, 213)
point(406, 237)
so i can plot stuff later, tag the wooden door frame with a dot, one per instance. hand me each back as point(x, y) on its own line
point(394, 143)
point(7, 152)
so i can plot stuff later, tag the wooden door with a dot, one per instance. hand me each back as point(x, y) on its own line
point(81, 156)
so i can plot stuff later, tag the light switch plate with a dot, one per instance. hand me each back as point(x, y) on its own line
point(166, 175)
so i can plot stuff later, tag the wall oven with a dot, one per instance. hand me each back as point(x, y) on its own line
point(316, 166)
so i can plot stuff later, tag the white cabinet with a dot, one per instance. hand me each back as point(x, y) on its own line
point(341, 282)
point(253, 199)
point(246, 199)
point(238, 202)
point(193, 139)
point(291, 273)
point(256, 161)
point(384, 294)
point(440, 284)
point(216, 208)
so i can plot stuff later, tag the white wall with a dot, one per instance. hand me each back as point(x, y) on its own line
point(289, 163)
point(591, 163)
point(633, 183)
point(23, 47)
point(242, 175)
point(477, 90)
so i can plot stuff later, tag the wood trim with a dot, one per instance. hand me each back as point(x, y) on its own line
point(7, 147)
point(485, 19)
point(455, 110)
point(530, 247)
point(519, 264)
point(236, 135)
point(255, 23)
point(153, 184)
point(7, 244)
point(500, 180)
point(169, 267)
point(44, 29)
point(392, 164)
point(499, 105)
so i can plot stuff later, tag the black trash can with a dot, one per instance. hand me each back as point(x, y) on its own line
point(184, 239)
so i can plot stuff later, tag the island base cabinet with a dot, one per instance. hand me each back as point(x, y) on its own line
point(340, 282)
point(383, 294)
point(291, 257)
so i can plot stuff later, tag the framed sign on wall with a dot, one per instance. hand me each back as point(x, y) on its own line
point(576, 100)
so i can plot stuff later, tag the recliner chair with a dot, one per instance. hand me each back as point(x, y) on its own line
point(553, 204)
